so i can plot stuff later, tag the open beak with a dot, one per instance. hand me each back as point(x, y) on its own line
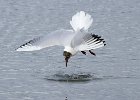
point(66, 59)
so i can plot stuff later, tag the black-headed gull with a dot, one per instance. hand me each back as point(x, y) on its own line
point(76, 40)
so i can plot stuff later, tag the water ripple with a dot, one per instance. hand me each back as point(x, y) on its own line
point(79, 77)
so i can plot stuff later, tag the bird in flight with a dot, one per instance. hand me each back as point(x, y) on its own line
point(74, 40)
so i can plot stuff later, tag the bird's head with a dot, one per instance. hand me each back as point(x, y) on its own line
point(67, 55)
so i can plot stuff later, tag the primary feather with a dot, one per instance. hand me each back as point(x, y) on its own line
point(88, 41)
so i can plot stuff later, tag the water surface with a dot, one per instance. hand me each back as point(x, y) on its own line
point(114, 74)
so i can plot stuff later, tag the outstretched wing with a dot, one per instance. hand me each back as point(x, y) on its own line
point(85, 41)
point(59, 37)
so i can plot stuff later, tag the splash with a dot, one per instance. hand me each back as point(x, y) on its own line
point(73, 77)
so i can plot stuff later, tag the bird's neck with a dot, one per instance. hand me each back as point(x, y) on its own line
point(69, 49)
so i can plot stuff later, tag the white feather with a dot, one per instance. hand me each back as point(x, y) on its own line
point(59, 37)
point(28, 48)
point(81, 20)
point(89, 47)
point(95, 46)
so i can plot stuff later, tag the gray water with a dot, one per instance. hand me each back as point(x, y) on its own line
point(114, 74)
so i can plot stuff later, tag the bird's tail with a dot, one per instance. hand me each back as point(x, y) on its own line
point(81, 20)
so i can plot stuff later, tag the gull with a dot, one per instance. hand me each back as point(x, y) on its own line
point(75, 40)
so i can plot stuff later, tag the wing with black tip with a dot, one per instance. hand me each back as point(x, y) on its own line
point(59, 37)
point(86, 41)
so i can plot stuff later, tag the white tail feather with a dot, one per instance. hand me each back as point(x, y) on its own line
point(81, 20)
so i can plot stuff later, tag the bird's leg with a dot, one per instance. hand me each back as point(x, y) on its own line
point(83, 52)
point(92, 53)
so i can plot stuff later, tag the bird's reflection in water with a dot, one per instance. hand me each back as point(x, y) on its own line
point(70, 78)
point(66, 98)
